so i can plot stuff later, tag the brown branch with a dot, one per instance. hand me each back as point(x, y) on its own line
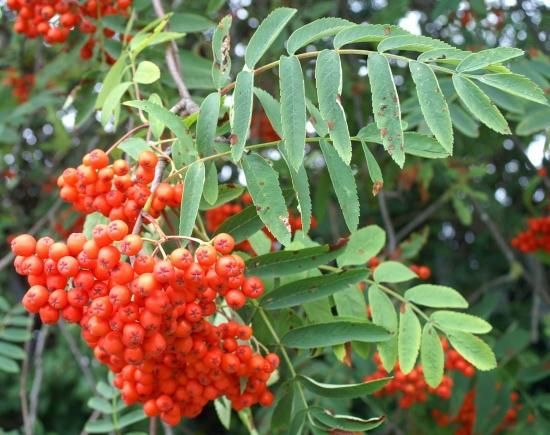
point(23, 379)
point(388, 224)
point(153, 426)
point(421, 217)
point(77, 354)
point(93, 417)
point(496, 234)
point(186, 102)
point(38, 373)
point(159, 169)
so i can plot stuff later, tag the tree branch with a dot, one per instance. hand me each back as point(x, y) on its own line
point(38, 373)
point(186, 103)
point(388, 224)
point(23, 379)
point(421, 217)
point(78, 356)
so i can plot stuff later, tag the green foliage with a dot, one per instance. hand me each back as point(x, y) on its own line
point(14, 330)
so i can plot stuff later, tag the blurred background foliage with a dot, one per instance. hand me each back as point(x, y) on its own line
point(457, 215)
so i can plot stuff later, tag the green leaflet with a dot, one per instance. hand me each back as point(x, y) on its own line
point(173, 122)
point(157, 127)
point(226, 193)
point(366, 33)
point(111, 106)
point(411, 43)
point(147, 73)
point(293, 109)
point(420, 145)
point(473, 349)
point(393, 271)
point(263, 185)
point(290, 262)
point(194, 184)
point(433, 104)
point(484, 58)
point(383, 314)
point(207, 123)
point(344, 422)
point(435, 296)
point(362, 245)
point(190, 23)
point(385, 103)
point(242, 113)
point(328, 80)
point(537, 121)
point(343, 391)
point(463, 122)
point(480, 105)
point(408, 342)
point(300, 183)
point(344, 185)
point(442, 54)
point(333, 333)
point(266, 33)
point(375, 172)
point(221, 65)
point(211, 191)
point(451, 320)
point(515, 84)
point(11, 350)
point(431, 356)
point(134, 146)
point(8, 365)
point(312, 289)
point(311, 32)
point(113, 78)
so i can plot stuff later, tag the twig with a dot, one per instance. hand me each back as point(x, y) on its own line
point(159, 169)
point(153, 426)
point(38, 373)
point(497, 282)
point(126, 136)
point(495, 233)
point(421, 217)
point(93, 417)
point(388, 224)
point(78, 356)
point(539, 283)
point(535, 318)
point(186, 102)
point(23, 378)
point(167, 429)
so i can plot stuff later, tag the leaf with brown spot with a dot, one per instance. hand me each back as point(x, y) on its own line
point(388, 121)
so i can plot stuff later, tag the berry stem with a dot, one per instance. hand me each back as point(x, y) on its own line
point(282, 348)
point(345, 51)
point(126, 136)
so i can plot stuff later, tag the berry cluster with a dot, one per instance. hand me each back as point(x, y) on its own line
point(147, 320)
point(413, 387)
point(21, 84)
point(536, 237)
point(424, 272)
point(113, 190)
point(54, 20)
point(465, 419)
